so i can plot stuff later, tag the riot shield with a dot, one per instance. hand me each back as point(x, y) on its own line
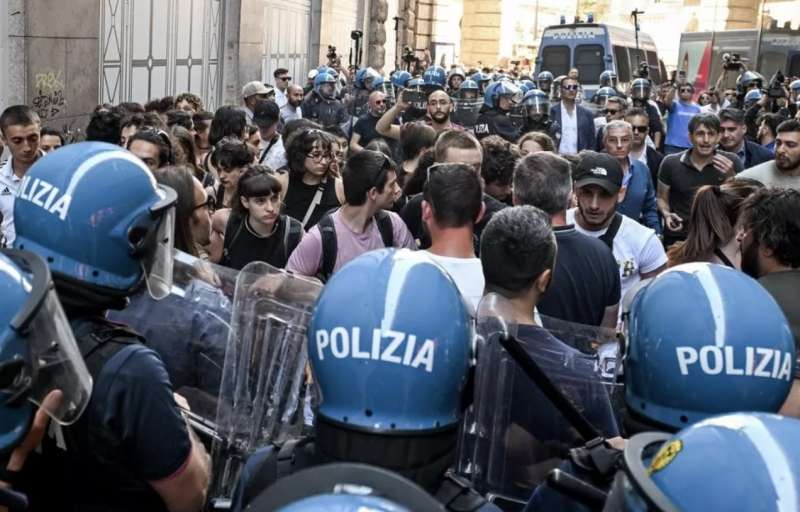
point(264, 368)
point(189, 329)
point(522, 423)
point(466, 111)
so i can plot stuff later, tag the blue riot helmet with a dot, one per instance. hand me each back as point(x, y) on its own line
point(741, 461)
point(690, 328)
point(536, 103)
point(97, 215)
point(608, 79)
point(468, 90)
point(365, 78)
point(40, 363)
point(345, 487)
point(435, 78)
point(526, 85)
point(752, 97)
point(601, 96)
point(385, 358)
point(640, 89)
point(400, 80)
point(497, 90)
point(482, 79)
point(325, 85)
point(544, 81)
point(794, 91)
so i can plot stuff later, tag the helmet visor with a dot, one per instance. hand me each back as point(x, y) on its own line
point(53, 374)
point(158, 273)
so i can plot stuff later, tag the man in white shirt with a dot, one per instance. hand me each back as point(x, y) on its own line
point(266, 118)
point(452, 204)
point(282, 80)
point(576, 122)
point(21, 130)
point(291, 110)
point(637, 249)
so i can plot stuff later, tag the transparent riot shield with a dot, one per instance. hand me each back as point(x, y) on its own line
point(536, 396)
point(388, 88)
point(189, 329)
point(466, 111)
point(264, 369)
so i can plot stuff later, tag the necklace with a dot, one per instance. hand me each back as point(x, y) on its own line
point(253, 232)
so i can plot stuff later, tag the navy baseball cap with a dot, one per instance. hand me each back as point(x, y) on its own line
point(599, 169)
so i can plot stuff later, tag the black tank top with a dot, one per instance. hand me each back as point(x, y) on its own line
point(247, 247)
point(299, 196)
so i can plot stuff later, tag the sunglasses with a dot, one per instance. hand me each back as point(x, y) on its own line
point(686, 89)
point(285, 78)
point(570, 87)
point(640, 129)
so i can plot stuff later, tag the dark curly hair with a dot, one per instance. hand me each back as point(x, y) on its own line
point(301, 145)
point(499, 159)
point(771, 214)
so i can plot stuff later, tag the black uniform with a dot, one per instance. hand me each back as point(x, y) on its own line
point(495, 122)
point(547, 126)
point(324, 111)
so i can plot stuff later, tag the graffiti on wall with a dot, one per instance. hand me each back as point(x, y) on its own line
point(49, 100)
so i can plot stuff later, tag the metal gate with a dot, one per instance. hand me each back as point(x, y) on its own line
point(156, 48)
point(286, 42)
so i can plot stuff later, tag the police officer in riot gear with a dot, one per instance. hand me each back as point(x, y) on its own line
point(537, 119)
point(366, 81)
point(390, 395)
point(434, 79)
point(106, 229)
point(744, 360)
point(544, 81)
point(454, 81)
point(468, 90)
point(499, 100)
point(482, 79)
point(601, 96)
point(746, 82)
point(321, 105)
point(608, 79)
point(639, 93)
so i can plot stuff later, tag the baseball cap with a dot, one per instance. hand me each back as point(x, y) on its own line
point(253, 88)
point(599, 169)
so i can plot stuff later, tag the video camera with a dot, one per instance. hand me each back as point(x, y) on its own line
point(731, 61)
point(331, 53)
point(775, 89)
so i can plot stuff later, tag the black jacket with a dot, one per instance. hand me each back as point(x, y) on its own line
point(495, 122)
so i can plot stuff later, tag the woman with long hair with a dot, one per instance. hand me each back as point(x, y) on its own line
point(712, 222)
point(192, 212)
point(254, 228)
point(311, 189)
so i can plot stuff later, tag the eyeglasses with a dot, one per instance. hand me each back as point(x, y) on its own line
point(686, 89)
point(285, 78)
point(611, 112)
point(570, 87)
point(319, 156)
point(640, 129)
point(210, 204)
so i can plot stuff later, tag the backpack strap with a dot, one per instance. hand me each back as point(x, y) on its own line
point(315, 201)
point(327, 232)
point(611, 232)
point(384, 222)
point(99, 340)
point(232, 229)
point(292, 233)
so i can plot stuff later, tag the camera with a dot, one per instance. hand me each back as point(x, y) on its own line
point(408, 55)
point(331, 52)
point(731, 61)
point(775, 89)
point(644, 70)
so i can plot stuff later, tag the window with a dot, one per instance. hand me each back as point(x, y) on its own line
point(771, 62)
point(794, 65)
point(555, 59)
point(655, 72)
point(589, 61)
point(623, 69)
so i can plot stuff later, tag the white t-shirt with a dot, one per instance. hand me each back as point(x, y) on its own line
point(637, 249)
point(276, 157)
point(280, 98)
point(467, 274)
point(569, 132)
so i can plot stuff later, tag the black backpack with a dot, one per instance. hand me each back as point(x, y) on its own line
point(292, 232)
point(329, 247)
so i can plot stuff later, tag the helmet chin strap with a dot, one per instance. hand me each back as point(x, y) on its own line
point(82, 299)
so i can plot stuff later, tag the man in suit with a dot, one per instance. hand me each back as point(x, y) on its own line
point(576, 122)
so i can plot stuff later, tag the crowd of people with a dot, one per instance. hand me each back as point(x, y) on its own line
point(666, 215)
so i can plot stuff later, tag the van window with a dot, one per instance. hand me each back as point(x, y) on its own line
point(555, 59)
point(623, 69)
point(636, 56)
point(655, 72)
point(771, 62)
point(794, 65)
point(589, 61)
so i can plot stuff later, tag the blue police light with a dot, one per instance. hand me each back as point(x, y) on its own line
point(590, 17)
point(563, 20)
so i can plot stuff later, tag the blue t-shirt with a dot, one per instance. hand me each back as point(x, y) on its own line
point(131, 433)
point(678, 123)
